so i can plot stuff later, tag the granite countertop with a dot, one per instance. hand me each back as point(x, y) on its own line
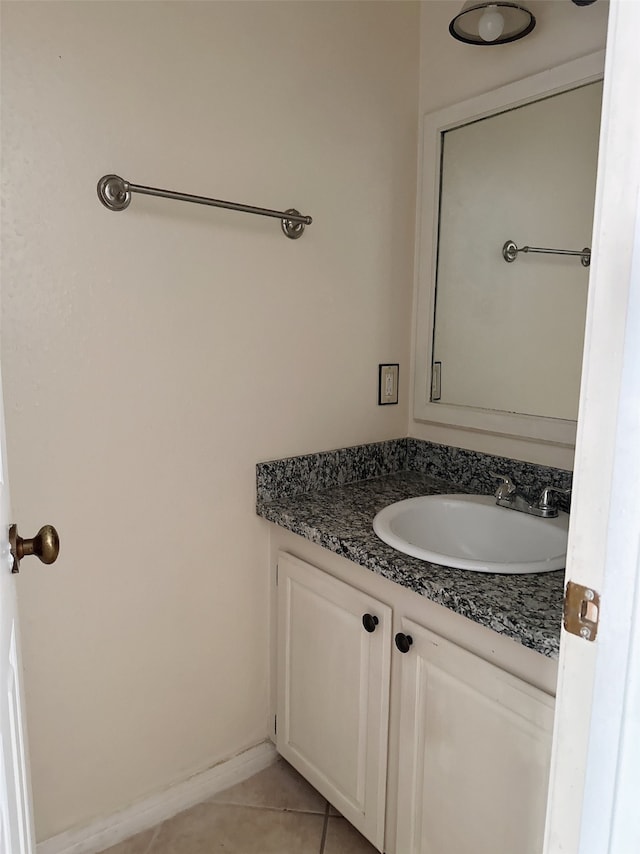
point(526, 608)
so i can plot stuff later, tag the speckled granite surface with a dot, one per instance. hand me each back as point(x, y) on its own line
point(310, 472)
point(526, 608)
point(469, 469)
point(472, 470)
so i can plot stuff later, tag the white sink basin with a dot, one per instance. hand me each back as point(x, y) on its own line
point(472, 532)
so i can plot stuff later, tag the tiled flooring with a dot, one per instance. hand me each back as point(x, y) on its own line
point(274, 812)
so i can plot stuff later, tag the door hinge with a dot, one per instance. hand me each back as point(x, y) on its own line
point(275, 724)
point(581, 611)
point(277, 571)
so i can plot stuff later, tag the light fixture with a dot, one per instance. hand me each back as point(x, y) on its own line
point(491, 22)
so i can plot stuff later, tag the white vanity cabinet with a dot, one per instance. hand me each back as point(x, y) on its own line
point(333, 690)
point(474, 752)
point(432, 750)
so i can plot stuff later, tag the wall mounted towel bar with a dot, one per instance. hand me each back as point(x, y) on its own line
point(115, 193)
point(510, 252)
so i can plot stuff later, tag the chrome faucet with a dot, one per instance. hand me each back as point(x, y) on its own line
point(507, 495)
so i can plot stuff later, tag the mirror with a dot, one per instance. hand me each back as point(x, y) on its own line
point(509, 335)
point(499, 344)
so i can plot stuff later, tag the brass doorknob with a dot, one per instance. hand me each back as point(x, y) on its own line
point(45, 545)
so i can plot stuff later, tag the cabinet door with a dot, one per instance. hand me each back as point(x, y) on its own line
point(333, 691)
point(475, 744)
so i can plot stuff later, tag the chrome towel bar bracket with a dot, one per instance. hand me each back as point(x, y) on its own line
point(115, 193)
point(510, 252)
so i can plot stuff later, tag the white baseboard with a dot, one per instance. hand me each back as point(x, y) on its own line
point(104, 832)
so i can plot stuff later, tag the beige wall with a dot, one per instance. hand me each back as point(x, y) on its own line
point(151, 357)
point(450, 72)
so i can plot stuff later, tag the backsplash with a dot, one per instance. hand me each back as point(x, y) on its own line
point(313, 472)
point(469, 469)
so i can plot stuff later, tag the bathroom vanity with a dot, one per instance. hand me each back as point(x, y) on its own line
point(418, 699)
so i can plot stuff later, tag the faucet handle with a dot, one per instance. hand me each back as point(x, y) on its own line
point(507, 487)
point(547, 500)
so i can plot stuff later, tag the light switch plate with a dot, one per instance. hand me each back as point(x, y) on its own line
point(388, 384)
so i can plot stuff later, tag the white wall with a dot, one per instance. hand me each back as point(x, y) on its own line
point(451, 71)
point(151, 357)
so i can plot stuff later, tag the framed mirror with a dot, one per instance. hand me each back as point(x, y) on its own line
point(503, 255)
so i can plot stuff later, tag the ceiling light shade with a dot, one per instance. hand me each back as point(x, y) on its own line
point(491, 22)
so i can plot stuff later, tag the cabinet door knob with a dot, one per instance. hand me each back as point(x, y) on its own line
point(369, 622)
point(403, 642)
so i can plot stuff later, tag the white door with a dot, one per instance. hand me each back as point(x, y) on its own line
point(334, 652)
point(594, 788)
point(16, 824)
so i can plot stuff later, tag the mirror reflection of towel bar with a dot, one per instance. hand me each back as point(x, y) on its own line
point(510, 252)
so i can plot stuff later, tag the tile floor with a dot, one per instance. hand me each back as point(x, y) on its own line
point(274, 812)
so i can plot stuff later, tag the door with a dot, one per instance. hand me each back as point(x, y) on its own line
point(595, 766)
point(334, 646)
point(475, 744)
point(16, 824)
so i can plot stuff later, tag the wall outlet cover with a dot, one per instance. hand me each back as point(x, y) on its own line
point(388, 384)
point(436, 381)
